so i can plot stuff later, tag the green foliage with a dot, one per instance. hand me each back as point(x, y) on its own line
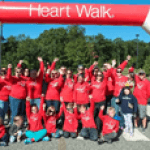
point(73, 47)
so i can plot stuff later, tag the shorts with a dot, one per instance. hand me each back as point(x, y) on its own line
point(141, 111)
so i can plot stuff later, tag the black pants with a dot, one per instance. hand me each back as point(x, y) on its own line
point(90, 133)
point(70, 134)
point(110, 136)
point(108, 102)
point(96, 117)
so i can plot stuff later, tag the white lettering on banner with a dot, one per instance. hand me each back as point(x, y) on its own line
point(54, 11)
point(101, 12)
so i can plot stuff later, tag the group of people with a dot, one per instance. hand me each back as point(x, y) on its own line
point(93, 103)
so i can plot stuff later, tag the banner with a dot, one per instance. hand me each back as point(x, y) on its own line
point(87, 14)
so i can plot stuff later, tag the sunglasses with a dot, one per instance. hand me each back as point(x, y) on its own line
point(119, 71)
point(51, 111)
point(100, 75)
point(18, 72)
point(69, 109)
point(141, 74)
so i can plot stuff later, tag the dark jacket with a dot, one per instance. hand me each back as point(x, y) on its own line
point(124, 103)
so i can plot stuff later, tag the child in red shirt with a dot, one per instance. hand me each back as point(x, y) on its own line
point(89, 129)
point(71, 122)
point(35, 131)
point(3, 135)
point(110, 125)
point(50, 117)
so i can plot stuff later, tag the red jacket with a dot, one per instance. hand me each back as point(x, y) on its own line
point(81, 93)
point(5, 89)
point(67, 90)
point(141, 90)
point(50, 122)
point(34, 87)
point(18, 88)
point(53, 90)
point(119, 82)
point(99, 90)
point(71, 122)
point(35, 120)
point(110, 87)
point(2, 131)
point(109, 124)
point(87, 118)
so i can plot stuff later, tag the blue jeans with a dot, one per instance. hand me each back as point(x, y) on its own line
point(4, 107)
point(57, 134)
point(38, 135)
point(116, 106)
point(91, 133)
point(4, 138)
point(54, 103)
point(36, 101)
point(17, 107)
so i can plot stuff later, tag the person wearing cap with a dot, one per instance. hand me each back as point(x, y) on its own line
point(142, 93)
point(81, 70)
point(128, 105)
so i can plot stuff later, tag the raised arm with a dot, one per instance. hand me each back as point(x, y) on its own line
point(124, 63)
point(92, 106)
point(101, 116)
point(8, 76)
point(41, 104)
point(19, 65)
point(41, 70)
point(54, 63)
point(28, 107)
point(47, 77)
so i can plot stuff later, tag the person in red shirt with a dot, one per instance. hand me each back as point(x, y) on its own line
point(86, 116)
point(50, 118)
point(142, 93)
point(35, 130)
point(25, 72)
point(53, 90)
point(110, 125)
point(119, 82)
point(5, 89)
point(81, 91)
point(34, 84)
point(67, 90)
point(3, 134)
point(84, 71)
point(98, 91)
point(17, 95)
point(71, 122)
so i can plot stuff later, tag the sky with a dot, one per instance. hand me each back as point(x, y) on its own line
point(110, 32)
